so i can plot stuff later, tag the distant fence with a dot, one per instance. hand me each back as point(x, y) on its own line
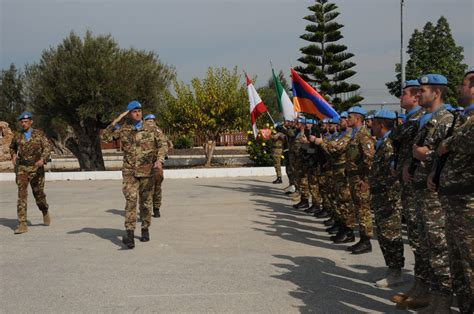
point(225, 139)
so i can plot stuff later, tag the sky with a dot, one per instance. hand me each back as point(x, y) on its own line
point(192, 35)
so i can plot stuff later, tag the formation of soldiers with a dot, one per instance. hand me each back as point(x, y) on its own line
point(144, 147)
point(363, 172)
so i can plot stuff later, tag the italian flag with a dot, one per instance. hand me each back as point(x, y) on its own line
point(257, 107)
point(285, 106)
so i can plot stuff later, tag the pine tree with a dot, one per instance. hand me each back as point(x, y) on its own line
point(326, 64)
point(433, 50)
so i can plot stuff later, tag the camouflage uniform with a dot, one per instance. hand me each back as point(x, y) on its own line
point(278, 140)
point(336, 151)
point(359, 156)
point(29, 152)
point(432, 223)
point(292, 156)
point(456, 192)
point(327, 190)
point(384, 195)
point(141, 148)
point(403, 136)
point(159, 176)
point(299, 166)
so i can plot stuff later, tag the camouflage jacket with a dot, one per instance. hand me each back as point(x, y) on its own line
point(360, 152)
point(457, 176)
point(403, 137)
point(432, 133)
point(278, 140)
point(335, 149)
point(29, 152)
point(141, 148)
point(380, 180)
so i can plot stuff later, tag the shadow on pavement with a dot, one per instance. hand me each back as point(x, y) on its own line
point(9, 223)
point(114, 211)
point(112, 235)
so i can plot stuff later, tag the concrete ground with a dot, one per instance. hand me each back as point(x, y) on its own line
point(222, 245)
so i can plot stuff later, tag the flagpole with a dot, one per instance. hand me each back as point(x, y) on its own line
point(269, 115)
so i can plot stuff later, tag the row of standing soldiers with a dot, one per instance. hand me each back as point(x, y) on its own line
point(417, 166)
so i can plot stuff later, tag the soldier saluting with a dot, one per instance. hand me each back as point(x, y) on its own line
point(144, 153)
point(30, 150)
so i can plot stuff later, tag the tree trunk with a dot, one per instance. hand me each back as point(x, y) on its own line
point(85, 146)
point(209, 151)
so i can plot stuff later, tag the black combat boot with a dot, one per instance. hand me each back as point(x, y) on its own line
point(145, 235)
point(318, 209)
point(330, 222)
point(277, 181)
point(344, 235)
point(129, 239)
point(156, 212)
point(363, 246)
point(311, 209)
point(334, 229)
point(323, 214)
point(302, 204)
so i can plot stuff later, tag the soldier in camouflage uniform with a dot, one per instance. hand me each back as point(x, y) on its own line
point(159, 176)
point(456, 190)
point(384, 193)
point(300, 170)
point(433, 128)
point(336, 152)
point(144, 152)
point(290, 132)
point(30, 151)
point(359, 155)
point(403, 139)
point(278, 139)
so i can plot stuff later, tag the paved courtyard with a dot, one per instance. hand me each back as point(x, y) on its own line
point(222, 245)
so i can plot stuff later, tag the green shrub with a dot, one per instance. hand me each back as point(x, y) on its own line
point(260, 150)
point(184, 141)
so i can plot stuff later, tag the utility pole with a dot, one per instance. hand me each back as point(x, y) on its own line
point(402, 50)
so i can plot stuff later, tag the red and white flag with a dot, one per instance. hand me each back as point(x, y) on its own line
point(257, 107)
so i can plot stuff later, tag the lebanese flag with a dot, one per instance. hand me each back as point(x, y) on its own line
point(257, 107)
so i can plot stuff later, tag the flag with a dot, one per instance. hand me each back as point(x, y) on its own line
point(285, 106)
point(257, 107)
point(306, 99)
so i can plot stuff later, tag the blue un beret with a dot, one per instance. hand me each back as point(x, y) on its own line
point(25, 115)
point(334, 120)
point(344, 115)
point(459, 108)
point(302, 120)
point(432, 79)
point(134, 105)
point(411, 83)
point(310, 121)
point(358, 110)
point(385, 114)
point(325, 121)
point(149, 116)
point(369, 117)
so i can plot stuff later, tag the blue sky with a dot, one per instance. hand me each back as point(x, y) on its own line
point(193, 35)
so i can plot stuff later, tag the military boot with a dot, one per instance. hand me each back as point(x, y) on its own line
point(440, 303)
point(129, 239)
point(156, 212)
point(410, 293)
point(46, 218)
point(344, 235)
point(393, 278)
point(334, 229)
point(418, 299)
point(145, 235)
point(302, 204)
point(21, 228)
point(311, 209)
point(277, 181)
point(318, 209)
point(330, 222)
point(323, 214)
point(364, 245)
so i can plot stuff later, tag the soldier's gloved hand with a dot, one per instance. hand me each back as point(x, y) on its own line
point(120, 117)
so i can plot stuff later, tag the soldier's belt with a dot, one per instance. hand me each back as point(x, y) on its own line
point(457, 189)
point(23, 162)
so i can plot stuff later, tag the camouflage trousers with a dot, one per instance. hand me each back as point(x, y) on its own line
point(361, 206)
point(33, 176)
point(388, 224)
point(301, 176)
point(412, 218)
point(290, 168)
point(277, 152)
point(327, 191)
point(313, 182)
point(344, 208)
point(460, 238)
point(431, 227)
point(157, 191)
point(137, 189)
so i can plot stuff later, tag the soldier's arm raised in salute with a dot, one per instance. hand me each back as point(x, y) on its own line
point(111, 132)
